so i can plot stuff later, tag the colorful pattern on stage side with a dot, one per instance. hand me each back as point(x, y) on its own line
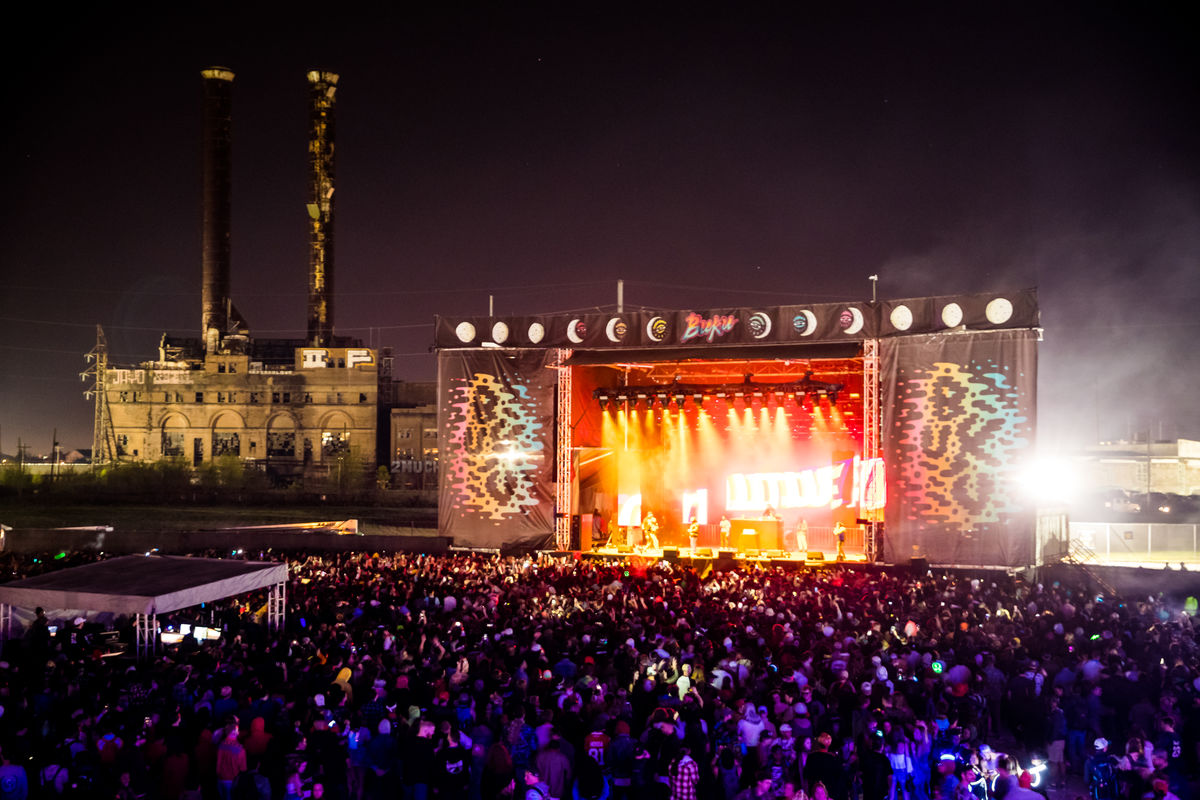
point(496, 444)
point(958, 424)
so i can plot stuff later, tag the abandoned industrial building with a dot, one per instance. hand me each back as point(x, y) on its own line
point(290, 406)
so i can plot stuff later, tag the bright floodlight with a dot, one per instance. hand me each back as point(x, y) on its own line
point(1050, 481)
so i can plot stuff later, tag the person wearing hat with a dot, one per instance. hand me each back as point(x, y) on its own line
point(1024, 790)
point(535, 787)
point(1101, 772)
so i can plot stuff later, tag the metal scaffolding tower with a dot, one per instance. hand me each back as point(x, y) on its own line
point(562, 491)
point(871, 428)
point(103, 443)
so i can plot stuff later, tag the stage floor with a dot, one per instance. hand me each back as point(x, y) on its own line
point(685, 555)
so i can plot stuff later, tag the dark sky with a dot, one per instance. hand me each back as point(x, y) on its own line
point(765, 154)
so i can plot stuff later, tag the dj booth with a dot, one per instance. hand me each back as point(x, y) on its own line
point(756, 534)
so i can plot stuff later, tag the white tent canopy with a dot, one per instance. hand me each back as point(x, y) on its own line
point(146, 586)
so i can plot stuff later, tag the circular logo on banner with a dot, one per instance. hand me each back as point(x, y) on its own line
point(616, 329)
point(902, 318)
point(851, 321)
point(999, 311)
point(805, 323)
point(760, 325)
point(656, 329)
point(952, 315)
point(537, 332)
point(576, 330)
point(465, 332)
point(500, 332)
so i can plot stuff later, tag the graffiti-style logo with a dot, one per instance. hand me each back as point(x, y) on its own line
point(495, 429)
point(959, 427)
point(699, 327)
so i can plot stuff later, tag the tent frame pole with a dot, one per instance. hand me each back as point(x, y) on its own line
point(5, 624)
point(277, 607)
point(146, 628)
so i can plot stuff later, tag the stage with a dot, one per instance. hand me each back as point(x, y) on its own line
point(774, 431)
point(704, 556)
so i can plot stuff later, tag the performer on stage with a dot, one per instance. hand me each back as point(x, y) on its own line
point(726, 527)
point(650, 532)
point(597, 527)
point(839, 533)
point(693, 532)
point(802, 536)
point(616, 536)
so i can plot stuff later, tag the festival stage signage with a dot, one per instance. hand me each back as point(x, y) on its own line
point(800, 324)
point(958, 424)
point(854, 483)
point(496, 447)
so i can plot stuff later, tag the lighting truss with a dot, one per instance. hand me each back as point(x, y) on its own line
point(806, 387)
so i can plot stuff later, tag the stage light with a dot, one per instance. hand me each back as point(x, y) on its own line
point(833, 398)
point(1050, 481)
point(698, 399)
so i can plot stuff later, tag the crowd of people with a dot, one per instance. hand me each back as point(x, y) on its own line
point(479, 676)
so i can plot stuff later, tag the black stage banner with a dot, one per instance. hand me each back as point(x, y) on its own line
point(959, 413)
point(496, 447)
point(722, 327)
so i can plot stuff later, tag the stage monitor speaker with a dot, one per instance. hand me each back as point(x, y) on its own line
point(624, 548)
point(815, 555)
point(919, 564)
point(671, 555)
point(702, 552)
point(774, 554)
point(726, 552)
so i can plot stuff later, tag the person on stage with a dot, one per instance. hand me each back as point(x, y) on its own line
point(650, 532)
point(802, 536)
point(597, 527)
point(726, 527)
point(693, 532)
point(839, 533)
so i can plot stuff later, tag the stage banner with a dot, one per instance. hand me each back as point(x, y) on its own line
point(496, 447)
point(959, 413)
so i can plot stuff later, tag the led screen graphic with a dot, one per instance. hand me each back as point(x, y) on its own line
point(959, 413)
point(496, 445)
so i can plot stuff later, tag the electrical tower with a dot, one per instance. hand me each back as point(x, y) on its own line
point(103, 444)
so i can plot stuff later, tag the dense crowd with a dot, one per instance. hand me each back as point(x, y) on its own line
point(474, 676)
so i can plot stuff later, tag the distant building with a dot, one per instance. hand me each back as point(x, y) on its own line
point(1143, 467)
point(279, 402)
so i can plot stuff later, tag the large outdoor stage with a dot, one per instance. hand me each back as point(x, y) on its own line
point(770, 431)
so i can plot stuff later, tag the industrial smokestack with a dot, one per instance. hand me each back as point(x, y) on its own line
point(322, 87)
point(218, 183)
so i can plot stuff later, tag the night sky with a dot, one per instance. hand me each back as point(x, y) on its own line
point(763, 155)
